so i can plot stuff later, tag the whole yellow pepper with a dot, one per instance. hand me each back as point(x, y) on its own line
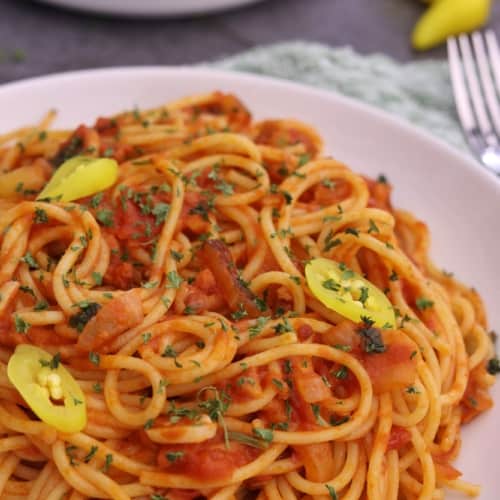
point(446, 18)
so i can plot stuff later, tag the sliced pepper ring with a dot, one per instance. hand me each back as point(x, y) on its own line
point(349, 294)
point(80, 176)
point(26, 367)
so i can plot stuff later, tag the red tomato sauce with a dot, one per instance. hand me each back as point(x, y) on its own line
point(210, 460)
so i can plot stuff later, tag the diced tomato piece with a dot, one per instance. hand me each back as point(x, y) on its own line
point(210, 460)
point(227, 104)
point(130, 225)
point(189, 218)
point(120, 152)
point(120, 274)
point(396, 367)
point(307, 382)
point(304, 332)
point(114, 318)
point(398, 437)
point(276, 133)
point(107, 127)
point(317, 460)
point(326, 196)
point(78, 142)
point(380, 194)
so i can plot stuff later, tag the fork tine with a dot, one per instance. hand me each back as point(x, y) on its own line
point(486, 80)
point(462, 102)
point(475, 90)
point(494, 55)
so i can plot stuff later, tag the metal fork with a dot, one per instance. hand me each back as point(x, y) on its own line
point(475, 74)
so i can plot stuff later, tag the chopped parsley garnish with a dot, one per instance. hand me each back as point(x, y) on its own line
point(283, 327)
point(224, 187)
point(373, 227)
point(364, 294)
point(247, 440)
point(97, 277)
point(200, 209)
point(174, 280)
point(27, 289)
point(334, 422)
point(266, 435)
point(331, 284)
point(316, 409)
point(341, 373)
point(173, 456)
point(331, 492)
point(149, 423)
point(90, 454)
point(331, 242)
point(40, 216)
point(216, 407)
point(105, 217)
point(107, 462)
point(256, 328)
point(493, 366)
point(94, 358)
point(53, 364)
point(371, 339)
point(149, 284)
point(41, 305)
point(160, 211)
point(96, 200)
point(21, 325)
point(87, 312)
point(30, 260)
point(177, 256)
point(303, 159)
point(422, 303)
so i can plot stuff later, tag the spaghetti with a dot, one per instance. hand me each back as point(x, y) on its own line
point(178, 302)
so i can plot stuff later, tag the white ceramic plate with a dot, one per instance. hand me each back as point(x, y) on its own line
point(454, 195)
point(169, 8)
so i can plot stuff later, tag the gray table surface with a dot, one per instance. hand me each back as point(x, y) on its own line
point(37, 39)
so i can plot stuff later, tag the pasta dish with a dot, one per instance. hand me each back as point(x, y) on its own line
point(194, 304)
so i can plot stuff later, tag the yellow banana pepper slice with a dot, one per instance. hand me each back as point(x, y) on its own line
point(80, 176)
point(446, 18)
point(48, 388)
point(349, 294)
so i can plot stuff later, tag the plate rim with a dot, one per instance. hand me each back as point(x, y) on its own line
point(468, 162)
point(159, 8)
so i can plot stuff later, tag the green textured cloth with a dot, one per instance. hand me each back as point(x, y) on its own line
point(420, 92)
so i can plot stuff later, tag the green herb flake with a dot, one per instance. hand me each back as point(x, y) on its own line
point(174, 280)
point(40, 216)
point(94, 358)
point(266, 435)
point(88, 457)
point(331, 492)
point(105, 217)
point(107, 462)
point(20, 325)
point(173, 456)
point(423, 303)
point(27, 258)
